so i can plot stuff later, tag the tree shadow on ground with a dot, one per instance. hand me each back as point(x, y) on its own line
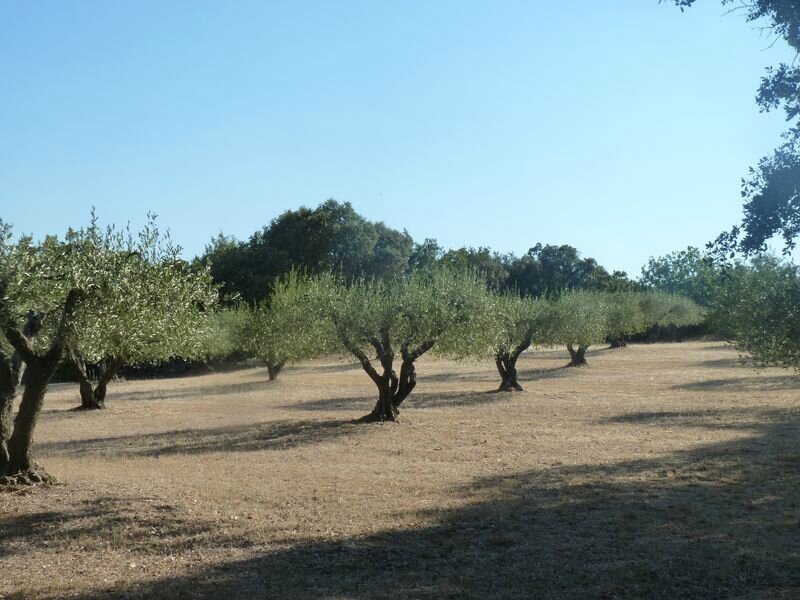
point(334, 368)
point(744, 419)
point(763, 383)
point(276, 435)
point(717, 521)
point(364, 404)
point(734, 362)
point(130, 523)
point(490, 375)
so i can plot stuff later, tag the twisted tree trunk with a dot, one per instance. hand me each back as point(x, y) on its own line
point(12, 369)
point(392, 389)
point(20, 468)
point(506, 362)
point(577, 357)
point(94, 398)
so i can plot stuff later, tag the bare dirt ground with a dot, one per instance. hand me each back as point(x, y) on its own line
point(664, 471)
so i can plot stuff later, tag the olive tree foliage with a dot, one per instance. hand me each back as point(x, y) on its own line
point(759, 306)
point(37, 314)
point(670, 310)
point(516, 324)
point(402, 318)
point(625, 317)
point(772, 190)
point(580, 320)
point(286, 327)
point(146, 305)
point(225, 333)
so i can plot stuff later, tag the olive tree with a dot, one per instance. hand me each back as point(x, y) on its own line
point(759, 307)
point(146, 304)
point(580, 321)
point(624, 318)
point(37, 313)
point(517, 323)
point(283, 329)
point(410, 314)
point(661, 309)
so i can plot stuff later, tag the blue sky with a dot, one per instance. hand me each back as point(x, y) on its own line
point(622, 128)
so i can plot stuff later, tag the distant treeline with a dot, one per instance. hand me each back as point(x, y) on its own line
point(334, 238)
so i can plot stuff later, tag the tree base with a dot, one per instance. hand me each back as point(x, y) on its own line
point(510, 386)
point(27, 478)
point(617, 344)
point(581, 363)
point(378, 417)
point(92, 407)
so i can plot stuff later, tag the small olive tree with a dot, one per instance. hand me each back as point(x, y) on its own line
point(410, 314)
point(517, 323)
point(625, 318)
point(661, 309)
point(146, 305)
point(580, 321)
point(284, 329)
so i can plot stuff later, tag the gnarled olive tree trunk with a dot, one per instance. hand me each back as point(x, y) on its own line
point(577, 356)
point(274, 369)
point(9, 380)
point(94, 397)
point(506, 362)
point(19, 467)
point(392, 389)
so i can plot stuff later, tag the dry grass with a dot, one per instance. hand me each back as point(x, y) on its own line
point(660, 471)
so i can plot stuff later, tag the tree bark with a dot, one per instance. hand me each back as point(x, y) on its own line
point(40, 370)
point(8, 391)
point(20, 467)
point(275, 369)
point(577, 356)
point(507, 365)
point(11, 373)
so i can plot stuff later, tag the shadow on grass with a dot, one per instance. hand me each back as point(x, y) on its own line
point(718, 521)
point(745, 419)
point(135, 524)
point(758, 383)
point(734, 362)
point(356, 405)
point(279, 435)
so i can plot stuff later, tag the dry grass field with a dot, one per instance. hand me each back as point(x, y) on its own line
point(660, 471)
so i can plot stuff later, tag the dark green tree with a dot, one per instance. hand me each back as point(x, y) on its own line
point(332, 237)
point(772, 190)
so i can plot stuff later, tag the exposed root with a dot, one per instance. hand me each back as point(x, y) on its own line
point(375, 417)
point(30, 477)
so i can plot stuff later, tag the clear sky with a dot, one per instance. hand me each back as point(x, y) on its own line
point(622, 128)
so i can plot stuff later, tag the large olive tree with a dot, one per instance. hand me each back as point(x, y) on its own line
point(408, 315)
point(37, 313)
point(146, 305)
